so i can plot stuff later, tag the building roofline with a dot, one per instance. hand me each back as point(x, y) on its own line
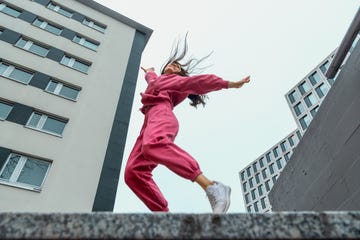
point(107, 11)
point(345, 45)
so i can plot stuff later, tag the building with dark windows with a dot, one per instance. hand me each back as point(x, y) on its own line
point(68, 72)
point(323, 174)
point(258, 178)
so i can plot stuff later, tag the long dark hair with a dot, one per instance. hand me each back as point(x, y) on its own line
point(178, 53)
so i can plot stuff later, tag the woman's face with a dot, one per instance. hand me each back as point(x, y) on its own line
point(172, 68)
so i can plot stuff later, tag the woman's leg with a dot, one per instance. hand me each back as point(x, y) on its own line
point(139, 178)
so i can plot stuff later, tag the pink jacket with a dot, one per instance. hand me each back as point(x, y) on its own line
point(173, 89)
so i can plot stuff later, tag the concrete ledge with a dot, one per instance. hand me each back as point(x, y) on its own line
point(284, 225)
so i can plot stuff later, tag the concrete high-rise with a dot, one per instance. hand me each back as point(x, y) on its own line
point(68, 72)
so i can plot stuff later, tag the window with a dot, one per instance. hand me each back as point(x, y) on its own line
point(264, 173)
point(276, 151)
point(244, 186)
point(63, 11)
point(255, 167)
point(249, 208)
point(261, 161)
point(291, 140)
point(310, 100)
point(253, 195)
point(32, 47)
point(322, 90)
point(248, 172)
point(46, 123)
point(331, 81)
point(86, 43)
point(267, 185)
point(299, 109)
point(315, 78)
point(47, 26)
point(271, 167)
point(324, 67)
point(257, 178)
point(284, 146)
point(9, 10)
point(76, 64)
point(304, 87)
point(274, 178)
point(278, 163)
point(5, 109)
point(242, 174)
point(24, 171)
point(95, 25)
point(294, 96)
point(268, 157)
point(251, 183)
point(263, 205)
point(62, 90)
point(287, 156)
point(260, 190)
point(314, 111)
point(304, 122)
point(15, 73)
point(298, 134)
point(256, 208)
point(247, 198)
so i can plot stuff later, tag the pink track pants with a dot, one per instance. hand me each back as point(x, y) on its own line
point(155, 145)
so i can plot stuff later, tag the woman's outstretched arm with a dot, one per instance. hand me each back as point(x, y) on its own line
point(240, 83)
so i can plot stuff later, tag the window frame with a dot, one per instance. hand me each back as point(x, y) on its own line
point(94, 25)
point(42, 121)
point(57, 8)
point(44, 25)
point(29, 43)
point(18, 169)
point(84, 40)
point(11, 108)
point(59, 87)
point(5, 5)
point(71, 62)
point(10, 69)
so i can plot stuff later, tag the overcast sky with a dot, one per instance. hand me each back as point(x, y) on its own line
point(277, 42)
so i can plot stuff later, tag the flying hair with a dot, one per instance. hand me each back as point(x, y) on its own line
point(189, 65)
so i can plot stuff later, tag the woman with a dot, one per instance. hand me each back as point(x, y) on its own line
point(155, 144)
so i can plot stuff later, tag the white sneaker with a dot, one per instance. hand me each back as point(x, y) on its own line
point(219, 197)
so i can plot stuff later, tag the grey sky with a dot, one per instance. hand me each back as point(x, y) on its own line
point(276, 42)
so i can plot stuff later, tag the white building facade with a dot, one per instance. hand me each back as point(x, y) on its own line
point(68, 73)
point(304, 100)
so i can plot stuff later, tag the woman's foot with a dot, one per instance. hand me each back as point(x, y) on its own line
point(219, 197)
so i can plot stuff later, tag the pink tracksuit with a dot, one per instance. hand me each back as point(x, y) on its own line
point(155, 144)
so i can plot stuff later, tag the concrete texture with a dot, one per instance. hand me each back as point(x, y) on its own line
point(101, 225)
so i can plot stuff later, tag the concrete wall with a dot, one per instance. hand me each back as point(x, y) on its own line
point(323, 173)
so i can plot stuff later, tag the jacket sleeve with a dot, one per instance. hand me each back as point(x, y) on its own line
point(150, 76)
point(200, 84)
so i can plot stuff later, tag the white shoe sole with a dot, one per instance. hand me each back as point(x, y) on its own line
point(228, 192)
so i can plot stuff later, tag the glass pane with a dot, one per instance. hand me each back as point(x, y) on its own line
point(51, 6)
point(325, 67)
point(21, 43)
point(39, 50)
point(53, 29)
point(315, 78)
point(33, 172)
point(53, 125)
point(98, 27)
point(64, 12)
point(37, 22)
point(69, 92)
point(90, 45)
point(11, 11)
point(304, 87)
point(81, 66)
point(299, 109)
point(20, 75)
point(65, 60)
point(77, 39)
point(51, 87)
point(34, 120)
point(86, 22)
point(310, 100)
point(3, 68)
point(10, 167)
point(4, 110)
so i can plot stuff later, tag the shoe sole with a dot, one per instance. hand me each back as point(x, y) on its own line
point(228, 192)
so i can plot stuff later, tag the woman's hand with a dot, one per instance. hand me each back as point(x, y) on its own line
point(148, 69)
point(240, 83)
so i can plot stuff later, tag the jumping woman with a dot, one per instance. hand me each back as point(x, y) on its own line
point(155, 144)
